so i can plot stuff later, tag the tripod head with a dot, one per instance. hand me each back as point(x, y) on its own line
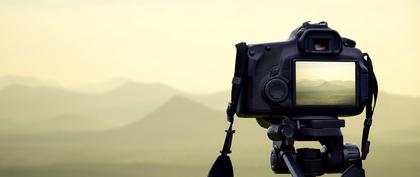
point(333, 157)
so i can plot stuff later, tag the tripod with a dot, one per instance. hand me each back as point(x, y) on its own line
point(333, 157)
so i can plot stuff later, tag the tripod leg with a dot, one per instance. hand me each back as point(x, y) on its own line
point(354, 171)
point(291, 164)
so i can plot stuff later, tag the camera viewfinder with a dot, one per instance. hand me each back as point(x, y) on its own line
point(321, 45)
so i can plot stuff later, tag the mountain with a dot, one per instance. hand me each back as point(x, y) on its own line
point(218, 100)
point(184, 131)
point(49, 108)
point(397, 113)
point(46, 108)
point(100, 87)
point(24, 80)
point(309, 83)
point(178, 110)
point(394, 119)
point(347, 83)
point(182, 123)
point(337, 85)
point(23, 103)
point(178, 122)
point(153, 123)
point(185, 128)
point(322, 85)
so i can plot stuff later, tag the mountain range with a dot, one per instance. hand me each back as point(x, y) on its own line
point(161, 125)
point(324, 85)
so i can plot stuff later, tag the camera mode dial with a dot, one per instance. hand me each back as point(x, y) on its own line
point(276, 90)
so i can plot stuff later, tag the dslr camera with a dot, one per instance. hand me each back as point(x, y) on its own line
point(297, 89)
point(315, 72)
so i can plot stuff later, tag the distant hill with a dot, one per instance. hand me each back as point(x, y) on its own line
point(322, 85)
point(187, 131)
point(179, 121)
point(24, 80)
point(182, 121)
point(153, 123)
point(49, 108)
point(99, 87)
point(309, 83)
point(394, 119)
point(323, 92)
point(218, 100)
point(45, 107)
point(337, 85)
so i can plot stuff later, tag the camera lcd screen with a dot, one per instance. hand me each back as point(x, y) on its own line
point(325, 83)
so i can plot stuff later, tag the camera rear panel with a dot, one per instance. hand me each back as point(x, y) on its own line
point(284, 80)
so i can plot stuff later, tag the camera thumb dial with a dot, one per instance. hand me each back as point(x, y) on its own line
point(276, 90)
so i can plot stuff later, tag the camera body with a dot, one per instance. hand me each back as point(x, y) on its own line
point(297, 89)
point(315, 72)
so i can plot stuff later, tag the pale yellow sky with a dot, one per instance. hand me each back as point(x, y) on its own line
point(328, 71)
point(189, 44)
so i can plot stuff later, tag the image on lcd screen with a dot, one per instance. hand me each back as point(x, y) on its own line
point(325, 83)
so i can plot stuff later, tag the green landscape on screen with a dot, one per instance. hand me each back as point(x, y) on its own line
point(325, 83)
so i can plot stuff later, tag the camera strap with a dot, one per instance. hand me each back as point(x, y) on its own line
point(237, 81)
point(222, 167)
point(370, 107)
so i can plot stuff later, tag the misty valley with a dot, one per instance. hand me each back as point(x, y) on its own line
point(322, 92)
point(152, 130)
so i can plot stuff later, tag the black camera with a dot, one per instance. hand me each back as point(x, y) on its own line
point(297, 89)
point(315, 72)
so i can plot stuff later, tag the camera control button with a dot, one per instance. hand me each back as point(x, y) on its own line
point(276, 90)
point(275, 71)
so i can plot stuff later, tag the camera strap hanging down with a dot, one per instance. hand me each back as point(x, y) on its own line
point(222, 167)
point(370, 107)
point(237, 81)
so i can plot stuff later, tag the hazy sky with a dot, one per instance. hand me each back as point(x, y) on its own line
point(343, 71)
point(189, 44)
